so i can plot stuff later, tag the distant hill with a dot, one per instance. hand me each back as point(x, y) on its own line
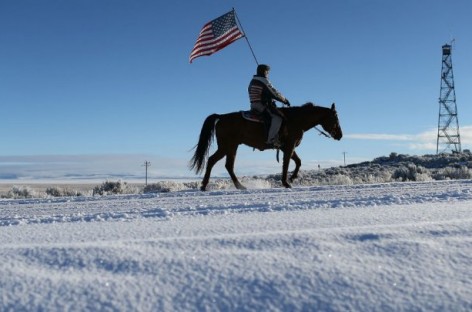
point(394, 168)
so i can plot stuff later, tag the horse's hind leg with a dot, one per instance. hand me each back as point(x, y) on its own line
point(230, 158)
point(212, 160)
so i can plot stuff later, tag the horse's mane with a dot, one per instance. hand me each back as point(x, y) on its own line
point(307, 108)
point(301, 108)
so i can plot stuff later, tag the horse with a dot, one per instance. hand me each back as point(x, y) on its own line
point(232, 130)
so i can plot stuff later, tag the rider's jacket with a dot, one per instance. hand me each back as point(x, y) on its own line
point(262, 92)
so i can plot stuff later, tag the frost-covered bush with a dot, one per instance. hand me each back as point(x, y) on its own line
point(110, 187)
point(256, 183)
point(17, 192)
point(452, 173)
point(220, 184)
point(411, 172)
point(381, 176)
point(192, 185)
point(248, 182)
point(163, 187)
point(170, 186)
point(401, 174)
point(339, 179)
point(54, 191)
point(59, 192)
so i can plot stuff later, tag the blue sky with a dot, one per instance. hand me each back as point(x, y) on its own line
point(98, 87)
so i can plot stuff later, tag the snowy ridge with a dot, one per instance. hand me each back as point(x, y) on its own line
point(389, 247)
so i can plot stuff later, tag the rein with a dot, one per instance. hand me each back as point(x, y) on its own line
point(322, 132)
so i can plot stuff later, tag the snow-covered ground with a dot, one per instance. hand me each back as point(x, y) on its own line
point(377, 247)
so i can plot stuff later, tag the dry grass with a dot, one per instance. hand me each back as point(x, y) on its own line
point(40, 187)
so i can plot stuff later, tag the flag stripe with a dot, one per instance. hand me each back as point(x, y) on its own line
point(214, 44)
point(209, 51)
point(217, 45)
point(215, 35)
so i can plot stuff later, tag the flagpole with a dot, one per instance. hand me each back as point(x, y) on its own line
point(247, 40)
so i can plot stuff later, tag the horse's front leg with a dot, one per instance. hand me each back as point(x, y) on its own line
point(287, 156)
point(298, 164)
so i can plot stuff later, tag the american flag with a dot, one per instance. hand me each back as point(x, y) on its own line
point(215, 35)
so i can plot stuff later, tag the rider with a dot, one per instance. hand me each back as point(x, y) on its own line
point(262, 95)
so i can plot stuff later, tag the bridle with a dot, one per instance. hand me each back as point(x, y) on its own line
point(328, 135)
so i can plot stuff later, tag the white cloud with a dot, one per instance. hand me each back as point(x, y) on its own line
point(380, 137)
point(426, 140)
point(466, 134)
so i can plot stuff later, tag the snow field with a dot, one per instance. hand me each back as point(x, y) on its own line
point(389, 247)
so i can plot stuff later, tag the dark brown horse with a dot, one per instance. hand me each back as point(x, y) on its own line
point(232, 129)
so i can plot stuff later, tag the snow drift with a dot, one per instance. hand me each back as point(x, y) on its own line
point(389, 247)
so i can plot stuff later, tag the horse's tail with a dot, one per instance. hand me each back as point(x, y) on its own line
point(197, 162)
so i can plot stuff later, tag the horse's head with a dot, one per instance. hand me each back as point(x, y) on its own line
point(331, 124)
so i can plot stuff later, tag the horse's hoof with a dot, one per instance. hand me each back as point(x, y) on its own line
point(287, 185)
point(241, 187)
point(203, 188)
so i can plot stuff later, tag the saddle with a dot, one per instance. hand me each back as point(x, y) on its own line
point(263, 118)
point(254, 116)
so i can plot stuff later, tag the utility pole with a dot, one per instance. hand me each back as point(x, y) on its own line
point(147, 164)
point(344, 155)
point(448, 124)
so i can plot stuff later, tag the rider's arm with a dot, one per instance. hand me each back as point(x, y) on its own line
point(275, 94)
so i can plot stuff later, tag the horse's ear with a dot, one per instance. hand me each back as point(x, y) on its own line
point(333, 107)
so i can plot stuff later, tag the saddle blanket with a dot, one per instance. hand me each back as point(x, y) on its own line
point(252, 116)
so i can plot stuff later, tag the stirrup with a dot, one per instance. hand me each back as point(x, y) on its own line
point(275, 143)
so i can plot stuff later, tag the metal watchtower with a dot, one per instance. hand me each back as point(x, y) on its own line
point(448, 124)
